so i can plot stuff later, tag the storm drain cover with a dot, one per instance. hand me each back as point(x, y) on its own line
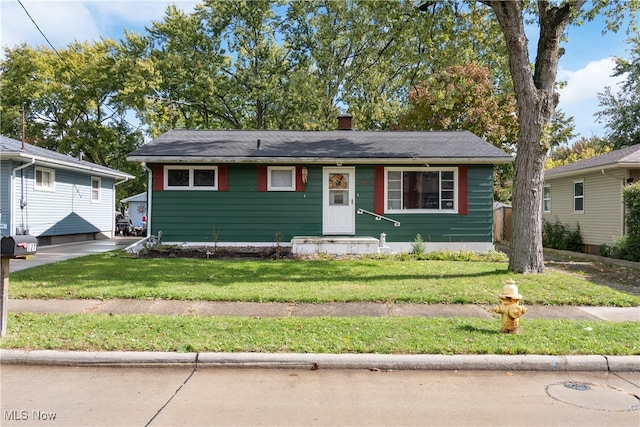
point(600, 397)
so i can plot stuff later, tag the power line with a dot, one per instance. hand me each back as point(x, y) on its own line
point(69, 66)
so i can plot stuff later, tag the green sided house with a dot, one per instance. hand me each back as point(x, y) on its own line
point(589, 193)
point(321, 191)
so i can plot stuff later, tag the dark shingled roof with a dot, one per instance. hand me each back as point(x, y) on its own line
point(624, 157)
point(13, 149)
point(242, 146)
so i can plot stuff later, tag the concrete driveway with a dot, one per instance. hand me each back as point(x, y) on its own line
point(55, 253)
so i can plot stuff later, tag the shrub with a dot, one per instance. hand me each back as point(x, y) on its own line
point(418, 245)
point(631, 197)
point(556, 235)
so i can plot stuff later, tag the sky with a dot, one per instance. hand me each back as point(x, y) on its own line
point(586, 66)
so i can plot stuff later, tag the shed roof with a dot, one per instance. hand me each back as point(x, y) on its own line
point(628, 157)
point(142, 197)
point(11, 149)
point(270, 146)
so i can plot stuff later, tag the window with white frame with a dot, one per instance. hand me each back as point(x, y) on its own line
point(45, 179)
point(421, 190)
point(546, 198)
point(578, 196)
point(96, 184)
point(191, 177)
point(281, 178)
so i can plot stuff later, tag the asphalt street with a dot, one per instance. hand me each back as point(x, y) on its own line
point(68, 396)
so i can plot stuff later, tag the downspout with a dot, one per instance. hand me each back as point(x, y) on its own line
point(149, 193)
point(113, 220)
point(12, 214)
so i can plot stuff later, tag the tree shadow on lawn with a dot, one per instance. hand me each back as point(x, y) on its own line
point(220, 273)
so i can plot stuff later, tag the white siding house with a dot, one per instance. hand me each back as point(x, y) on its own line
point(54, 197)
point(589, 193)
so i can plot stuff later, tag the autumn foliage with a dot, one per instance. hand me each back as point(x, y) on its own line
point(463, 97)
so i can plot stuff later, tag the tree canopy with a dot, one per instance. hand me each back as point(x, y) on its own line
point(621, 110)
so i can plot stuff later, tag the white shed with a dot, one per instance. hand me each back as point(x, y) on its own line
point(136, 208)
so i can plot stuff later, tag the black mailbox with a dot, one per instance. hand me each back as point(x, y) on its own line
point(18, 246)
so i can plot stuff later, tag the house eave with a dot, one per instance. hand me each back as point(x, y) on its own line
point(595, 169)
point(323, 161)
point(60, 164)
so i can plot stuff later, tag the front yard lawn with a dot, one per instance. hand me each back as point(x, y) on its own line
point(101, 332)
point(106, 276)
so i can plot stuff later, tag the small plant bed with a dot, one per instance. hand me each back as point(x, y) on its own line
point(209, 252)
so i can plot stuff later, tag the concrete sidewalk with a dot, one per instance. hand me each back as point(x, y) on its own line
point(335, 309)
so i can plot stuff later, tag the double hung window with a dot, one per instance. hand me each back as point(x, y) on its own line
point(45, 179)
point(95, 189)
point(578, 196)
point(546, 198)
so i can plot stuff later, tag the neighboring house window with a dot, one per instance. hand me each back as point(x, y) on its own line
point(578, 196)
point(45, 179)
point(95, 189)
point(421, 190)
point(191, 178)
point(281, 178)
point(546, 198)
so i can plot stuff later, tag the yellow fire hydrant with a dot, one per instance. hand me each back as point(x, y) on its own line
point(510, 307)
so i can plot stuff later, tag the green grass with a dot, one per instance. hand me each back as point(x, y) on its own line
point(107, 276)
point(97, 332)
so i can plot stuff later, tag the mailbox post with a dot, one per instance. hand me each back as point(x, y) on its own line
point(12, 247)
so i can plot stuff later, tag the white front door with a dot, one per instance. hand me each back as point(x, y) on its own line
point(338, 200)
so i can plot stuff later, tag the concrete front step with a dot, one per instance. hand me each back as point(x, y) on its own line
point(335, 245)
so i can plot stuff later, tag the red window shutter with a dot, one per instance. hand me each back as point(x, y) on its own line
point(262, 178)
point(223, 178)
point(158, 178)
point(300, 184)
point(463, 190)
point(378, 190)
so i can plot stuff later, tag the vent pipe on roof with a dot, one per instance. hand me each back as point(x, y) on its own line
point(259, 145)
point(344, 121)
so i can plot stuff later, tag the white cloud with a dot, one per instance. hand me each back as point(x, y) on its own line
point(61, 21)
point(64, 22)
point(579, 98)
point(586, 83)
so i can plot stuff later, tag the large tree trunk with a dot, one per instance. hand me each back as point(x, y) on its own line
point(536, 102)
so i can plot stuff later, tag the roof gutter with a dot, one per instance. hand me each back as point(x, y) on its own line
point(324, 161)
point(595, 169)
point(72, 166)
point(12, 211)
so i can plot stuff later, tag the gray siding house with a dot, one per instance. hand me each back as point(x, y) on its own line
point(55, 197)
point(589, 193)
